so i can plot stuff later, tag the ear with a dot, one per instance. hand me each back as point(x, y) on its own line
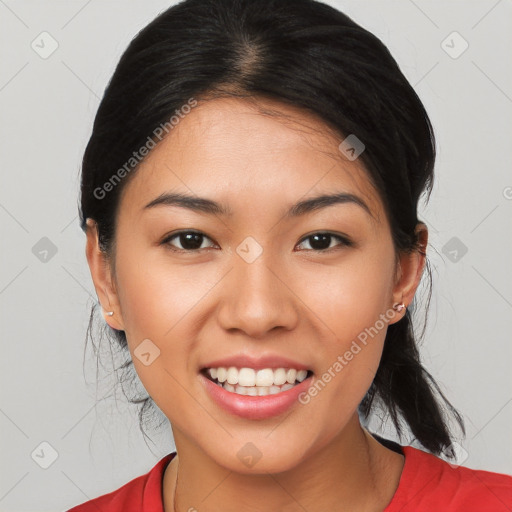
point(409, 271)
point(102, 277)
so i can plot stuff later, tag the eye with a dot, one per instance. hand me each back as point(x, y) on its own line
point(321, 241)
point(190, 241)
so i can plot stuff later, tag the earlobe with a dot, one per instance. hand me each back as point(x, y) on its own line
point(410, 270)
point(102, 278)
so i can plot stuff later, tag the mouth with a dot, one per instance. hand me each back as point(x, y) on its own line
point(252, 382)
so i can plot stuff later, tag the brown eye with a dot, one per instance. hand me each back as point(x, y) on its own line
point(188, 241)
point(322, 241)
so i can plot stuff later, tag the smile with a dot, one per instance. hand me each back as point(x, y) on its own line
point(251, 382)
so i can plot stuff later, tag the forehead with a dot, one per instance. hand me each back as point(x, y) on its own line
point(229, 148)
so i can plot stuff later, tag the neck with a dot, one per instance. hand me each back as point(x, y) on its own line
point(354, 472)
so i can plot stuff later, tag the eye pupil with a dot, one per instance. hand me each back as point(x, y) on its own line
point(190, 241)
point(323, 238)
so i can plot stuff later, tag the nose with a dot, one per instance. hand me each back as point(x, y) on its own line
point(258, 298)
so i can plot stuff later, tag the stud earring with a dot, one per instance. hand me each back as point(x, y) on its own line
point(108, 313)
point(399, 307)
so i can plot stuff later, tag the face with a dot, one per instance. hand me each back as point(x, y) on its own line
point(257, 280)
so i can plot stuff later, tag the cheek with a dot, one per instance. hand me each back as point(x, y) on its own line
point(156, 296)
point(351, 301)
point(157, 302)
point(351, 296)
point(166, 304)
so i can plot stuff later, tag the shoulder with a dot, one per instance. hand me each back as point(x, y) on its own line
point(142, 494)
point(430, 483)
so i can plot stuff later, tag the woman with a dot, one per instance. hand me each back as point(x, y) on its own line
point(249, 196)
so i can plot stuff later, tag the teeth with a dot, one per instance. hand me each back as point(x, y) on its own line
point(221, 374)
point(246, 377)
point(232, 375)
point(279, 376)
point(264, 377)
point(301, 375)
point(291, 375)
point(249, 378)
point(262, 391)
point(255, 390)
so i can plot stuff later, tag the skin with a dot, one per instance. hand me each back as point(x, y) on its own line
point(293, 300)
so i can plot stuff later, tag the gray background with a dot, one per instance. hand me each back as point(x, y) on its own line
point(47, 108)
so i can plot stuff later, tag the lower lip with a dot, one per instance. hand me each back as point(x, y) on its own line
point(255, 407)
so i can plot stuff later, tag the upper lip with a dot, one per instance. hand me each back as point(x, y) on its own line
point(256, 362)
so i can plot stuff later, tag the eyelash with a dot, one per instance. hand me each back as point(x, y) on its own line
point(344, 241)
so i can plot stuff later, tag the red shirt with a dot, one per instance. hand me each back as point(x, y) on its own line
point(427, 484)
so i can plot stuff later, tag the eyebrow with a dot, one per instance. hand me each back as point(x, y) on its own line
point(208, 206)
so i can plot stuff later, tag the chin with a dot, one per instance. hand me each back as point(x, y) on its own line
point(260, 456)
